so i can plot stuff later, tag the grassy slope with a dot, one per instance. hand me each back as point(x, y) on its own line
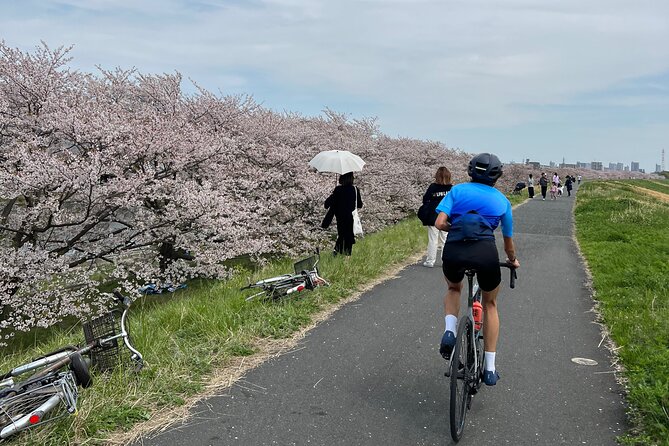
point(625, 239)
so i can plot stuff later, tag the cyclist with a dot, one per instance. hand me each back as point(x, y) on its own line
point(470, 213)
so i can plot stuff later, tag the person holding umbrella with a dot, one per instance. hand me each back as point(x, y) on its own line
point(340, 204)
point(345, 198)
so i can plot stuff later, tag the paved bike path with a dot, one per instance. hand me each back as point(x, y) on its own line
point(372, 375)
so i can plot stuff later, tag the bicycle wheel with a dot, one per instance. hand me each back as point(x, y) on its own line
point(462, 370)
point(80, 369)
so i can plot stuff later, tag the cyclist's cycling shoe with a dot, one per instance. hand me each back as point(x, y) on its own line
point(447, 344)
point(490, 378)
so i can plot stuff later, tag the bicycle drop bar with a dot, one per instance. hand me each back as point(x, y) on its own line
point(512, 274)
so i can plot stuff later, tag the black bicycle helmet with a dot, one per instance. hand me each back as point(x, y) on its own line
point(485, 168)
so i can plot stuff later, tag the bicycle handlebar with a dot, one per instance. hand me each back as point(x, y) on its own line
point(512, 274)
point(124, 300)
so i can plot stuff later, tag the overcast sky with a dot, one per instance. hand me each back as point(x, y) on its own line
point(583, 80)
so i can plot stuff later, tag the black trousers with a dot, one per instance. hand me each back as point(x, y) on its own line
point(530, 191)
point(345, 237)
point(543, 191)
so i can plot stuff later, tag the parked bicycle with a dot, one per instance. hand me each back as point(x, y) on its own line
point(50, 392)
point(306, 277)
point(465, 367)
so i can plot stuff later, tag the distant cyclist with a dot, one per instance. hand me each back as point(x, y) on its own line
point(470, 213)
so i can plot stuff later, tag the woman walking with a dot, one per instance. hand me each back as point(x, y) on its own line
point(431, 199)
point(530, 186)
point(543, 182)
point(340, 204)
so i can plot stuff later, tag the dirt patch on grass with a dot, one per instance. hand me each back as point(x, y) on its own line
point(235, 368)
point(659, 195)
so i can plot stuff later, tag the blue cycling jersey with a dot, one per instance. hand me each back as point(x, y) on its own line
point(487, 201)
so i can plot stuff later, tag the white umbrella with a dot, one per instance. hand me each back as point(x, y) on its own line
point(337, 161)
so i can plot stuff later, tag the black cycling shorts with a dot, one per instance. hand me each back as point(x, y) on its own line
point(480, 255)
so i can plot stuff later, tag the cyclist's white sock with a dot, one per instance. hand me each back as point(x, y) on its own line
point(490, 361)
point(451, 322)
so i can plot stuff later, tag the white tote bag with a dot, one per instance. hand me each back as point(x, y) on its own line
point(357, 226)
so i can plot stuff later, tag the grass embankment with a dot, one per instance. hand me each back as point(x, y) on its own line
point(188, 336)
point(624, 236)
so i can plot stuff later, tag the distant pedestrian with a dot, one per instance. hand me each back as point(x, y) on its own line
point(560, 188)
point(530, 186)
point(568, 185)
point(543, 182)
point(556, 178)
point(428, 214)
point(340, 204)
point(554, 190)
point(578, 178)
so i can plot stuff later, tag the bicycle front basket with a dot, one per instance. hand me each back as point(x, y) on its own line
point(105, 356)
point(305, 264)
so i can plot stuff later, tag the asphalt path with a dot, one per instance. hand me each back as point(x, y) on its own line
point(372, 374)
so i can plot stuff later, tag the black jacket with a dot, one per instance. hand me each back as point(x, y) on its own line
point(340, 204)
point(431, 199)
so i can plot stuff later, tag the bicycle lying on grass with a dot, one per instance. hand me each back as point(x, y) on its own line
point(35, 400)
point(306, 277)
point(465, 367)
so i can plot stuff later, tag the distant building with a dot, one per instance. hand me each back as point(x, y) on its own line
point(612, 166)
point(658, 168)
point(619, 166)
point(596, 165)
point(634, 166)
point(551, 164)
point(534, 164)
point(568, 166)
point(581, 165)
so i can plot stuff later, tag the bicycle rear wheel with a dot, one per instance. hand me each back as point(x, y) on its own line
point(462, 369)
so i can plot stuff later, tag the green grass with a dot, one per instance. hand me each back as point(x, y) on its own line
point(517, 199)
point(624, 236)
point(187, 336)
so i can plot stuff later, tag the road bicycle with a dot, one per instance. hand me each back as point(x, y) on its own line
point(46, 388)
point(465, 367)
point(306, 277)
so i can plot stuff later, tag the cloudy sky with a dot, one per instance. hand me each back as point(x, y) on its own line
point(583, 80)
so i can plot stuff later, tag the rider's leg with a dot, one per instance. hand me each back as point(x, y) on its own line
point(490, 335)
point(452, 298)
point(491, 323)
point(451, 311)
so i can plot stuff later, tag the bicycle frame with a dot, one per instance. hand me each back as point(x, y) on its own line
point(465, 365)
point(290, 283)
point(474, 294)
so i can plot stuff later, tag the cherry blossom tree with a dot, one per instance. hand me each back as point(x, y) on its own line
point(122, 177)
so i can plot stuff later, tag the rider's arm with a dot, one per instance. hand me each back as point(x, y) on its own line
point(510, 250)
point(507, 233)
point(442, 222)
